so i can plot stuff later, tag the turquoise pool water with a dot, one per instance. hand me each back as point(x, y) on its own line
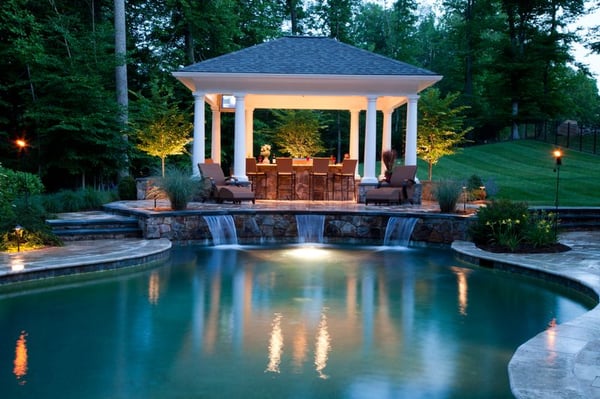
point(285, 322)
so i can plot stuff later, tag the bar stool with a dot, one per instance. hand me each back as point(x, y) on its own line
point(347, 175)
point(285, 171)
point(255, 176)
point(320, 170)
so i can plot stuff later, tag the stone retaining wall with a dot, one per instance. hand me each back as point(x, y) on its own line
point(270, 227)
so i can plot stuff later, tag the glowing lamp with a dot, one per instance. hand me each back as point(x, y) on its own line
point(558, 157)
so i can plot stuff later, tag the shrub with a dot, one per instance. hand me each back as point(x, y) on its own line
point(21, 205)
point(499, 221)
point(474, 183)
point(75, 201)
point(447, 193)
point(127, 188)
point(179, 187)
point(474, 187)
point(15, 184)
point(541, 230)
point(509, 225)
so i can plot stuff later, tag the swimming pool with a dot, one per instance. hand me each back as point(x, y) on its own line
point(278, 322)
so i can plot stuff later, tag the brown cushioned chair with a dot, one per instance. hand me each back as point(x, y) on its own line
point(346, 175)
point(400, 188)
point(320, 170)
point(256, 176)
point(225, 188)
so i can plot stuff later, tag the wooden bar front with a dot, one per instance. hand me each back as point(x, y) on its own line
point(302, 168)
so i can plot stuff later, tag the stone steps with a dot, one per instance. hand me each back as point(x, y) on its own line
point(95, 228)
point(576, 218)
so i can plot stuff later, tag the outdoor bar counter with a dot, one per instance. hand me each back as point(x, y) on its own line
point(302, 169)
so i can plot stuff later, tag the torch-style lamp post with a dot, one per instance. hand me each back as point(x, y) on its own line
point(558, 158)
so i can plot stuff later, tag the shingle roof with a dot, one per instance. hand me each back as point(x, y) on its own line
point(305, 55)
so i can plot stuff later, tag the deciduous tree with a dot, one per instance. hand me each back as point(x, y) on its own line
point(441, 127)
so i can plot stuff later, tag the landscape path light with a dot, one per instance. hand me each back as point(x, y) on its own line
point(18, 231)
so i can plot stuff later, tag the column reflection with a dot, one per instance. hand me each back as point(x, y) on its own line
point(463, 288)
point(153, 288)
point(322, 346)
point(275, 345)
point(300, 348)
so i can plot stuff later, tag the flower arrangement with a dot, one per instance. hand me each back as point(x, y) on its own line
point(265, 152)
point(265, 149)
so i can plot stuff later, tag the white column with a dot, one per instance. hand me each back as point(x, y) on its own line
point(215, 145)
point(410, 150)
point(354, 128)
point(239, 146)
point(199, 132)
point(386, 138)
point(370, 141)
point(249, 133)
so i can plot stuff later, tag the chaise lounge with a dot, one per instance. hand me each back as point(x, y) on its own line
point(225, 189)
point(399, 189)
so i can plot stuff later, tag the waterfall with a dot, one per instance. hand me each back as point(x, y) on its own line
point(222, 229)
point(310, 228)
point(399, 230)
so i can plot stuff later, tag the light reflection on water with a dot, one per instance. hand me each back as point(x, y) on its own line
point(21, 359)
point(275, 345)
point(270, 322)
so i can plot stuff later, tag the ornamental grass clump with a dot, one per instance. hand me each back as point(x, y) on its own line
point(509, 226)
point(447, 193)
point(179, 187)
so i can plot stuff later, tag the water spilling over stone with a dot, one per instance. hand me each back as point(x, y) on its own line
point(310, 228)
point(222, 229)
point(399, 230)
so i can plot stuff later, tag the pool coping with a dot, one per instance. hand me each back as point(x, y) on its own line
point(80, 257)
point(564, 360)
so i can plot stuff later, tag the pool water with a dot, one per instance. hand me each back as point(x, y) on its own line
point(278, 322)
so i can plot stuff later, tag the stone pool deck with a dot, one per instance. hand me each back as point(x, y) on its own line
point(564, 360)
point(78, 257)
point(561, 362)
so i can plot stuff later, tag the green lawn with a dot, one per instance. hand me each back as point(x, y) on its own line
point(523, 171)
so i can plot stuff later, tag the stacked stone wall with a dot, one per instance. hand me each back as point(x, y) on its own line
point(268, 227)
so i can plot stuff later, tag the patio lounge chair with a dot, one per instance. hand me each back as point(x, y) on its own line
point(225, 189)
point(399, 189)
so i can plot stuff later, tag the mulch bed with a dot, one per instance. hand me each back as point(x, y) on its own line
point(526, 249)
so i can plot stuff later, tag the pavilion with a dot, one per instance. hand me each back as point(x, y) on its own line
point(302, 72)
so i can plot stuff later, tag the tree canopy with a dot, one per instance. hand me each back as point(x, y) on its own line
point(509, 61)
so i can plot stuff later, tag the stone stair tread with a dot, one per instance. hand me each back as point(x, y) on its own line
point(116, 230)
point(94, 225)
point(85, 222)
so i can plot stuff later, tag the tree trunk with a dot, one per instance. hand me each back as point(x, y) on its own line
point(470, 49)
point(515, 126)
point(121, 73)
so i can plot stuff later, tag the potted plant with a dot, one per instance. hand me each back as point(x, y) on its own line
point(389, 160)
